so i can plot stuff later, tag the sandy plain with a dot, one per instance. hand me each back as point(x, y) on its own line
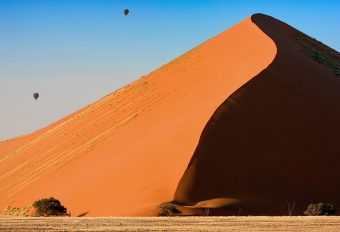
point(233, 223)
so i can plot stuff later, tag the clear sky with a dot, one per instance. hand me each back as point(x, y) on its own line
point(73, 52)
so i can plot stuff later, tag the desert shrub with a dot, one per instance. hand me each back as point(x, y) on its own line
point(15, 211)
point(320, 209)
point(168, 208)
point(49, 207)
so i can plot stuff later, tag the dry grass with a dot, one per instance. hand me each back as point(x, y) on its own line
point(249, 223)
point(15, 211)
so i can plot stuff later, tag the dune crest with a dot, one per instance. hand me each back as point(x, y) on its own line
point(277, 137)
point(125, 153)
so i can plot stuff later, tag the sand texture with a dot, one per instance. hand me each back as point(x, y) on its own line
point(132, 147)
point(296, 224)
point(274, 139)
point(247, 119)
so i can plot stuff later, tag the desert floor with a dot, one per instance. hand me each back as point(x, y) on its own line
point(250, 223)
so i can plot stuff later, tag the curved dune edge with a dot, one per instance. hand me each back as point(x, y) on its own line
point(214, 203)
point(125, 154)
point(274, 139)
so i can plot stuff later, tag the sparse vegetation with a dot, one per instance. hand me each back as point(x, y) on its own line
point(319, 52)
point(49, 207)
point(320, 209)
point(290, 208)
point(15, 211)
point(207, 211)
point(167, 208)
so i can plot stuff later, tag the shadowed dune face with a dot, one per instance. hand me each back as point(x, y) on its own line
point(274, 139)
point(125, 153)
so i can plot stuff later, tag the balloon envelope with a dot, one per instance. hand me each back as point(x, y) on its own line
point(36, 95)
point(126, 11)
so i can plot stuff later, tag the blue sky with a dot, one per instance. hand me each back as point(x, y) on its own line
point(73, 52)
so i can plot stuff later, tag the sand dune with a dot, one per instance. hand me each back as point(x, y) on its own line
point(126, 153)
point(245, 121)
point(276, 138)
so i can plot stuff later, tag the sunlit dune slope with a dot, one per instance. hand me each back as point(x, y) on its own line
point(126, 153)
point(274, 139)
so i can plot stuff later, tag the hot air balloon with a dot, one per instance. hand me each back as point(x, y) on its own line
point(36, 95)
point(126, 11)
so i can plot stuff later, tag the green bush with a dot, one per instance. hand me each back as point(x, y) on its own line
point(49, 207)
point(167, 208)
point(320, 209)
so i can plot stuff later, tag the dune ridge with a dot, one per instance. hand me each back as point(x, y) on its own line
point(276, 138)
point(125, 153)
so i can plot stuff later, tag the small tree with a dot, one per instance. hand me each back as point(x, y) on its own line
point(49, 207)
point(320, 209)
point(207, 210)
point(290, 209)
point(168, 208)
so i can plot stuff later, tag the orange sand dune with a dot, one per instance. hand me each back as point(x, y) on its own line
point(126, 153)
point(277, 137)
